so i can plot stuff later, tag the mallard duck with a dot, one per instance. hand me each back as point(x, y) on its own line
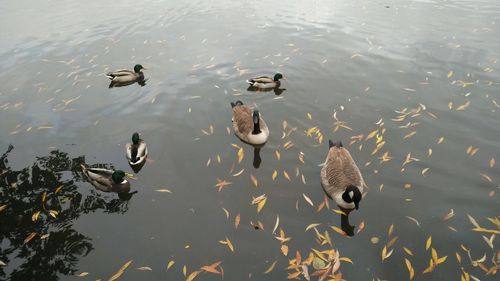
point(265, 82)
point(125, 76)
point(137, 151)
point(340, 177)
point(248, 124)
point(107, 180)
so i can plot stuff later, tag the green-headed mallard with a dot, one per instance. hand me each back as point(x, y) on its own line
point(125, 76)
point(265, 82)
point(248, 124)
point(137, 151)
point(107, 180)
point(341, 178)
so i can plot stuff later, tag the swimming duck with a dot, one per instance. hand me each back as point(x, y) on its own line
point(265, 82)
point(125, 76)
point(248, 124)
point(137, 151)
point(340, 177)
point(107, 180)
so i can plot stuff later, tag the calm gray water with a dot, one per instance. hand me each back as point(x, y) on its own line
point(429, 67)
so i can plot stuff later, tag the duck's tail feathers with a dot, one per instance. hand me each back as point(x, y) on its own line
point(238, 102)
point(110, 75)
point(251, 82)
point(336, 144)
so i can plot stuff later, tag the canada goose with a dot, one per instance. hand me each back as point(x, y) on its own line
point(248, 124)
point(107, 180)
point(340, 177)
point(265, 82)
point(137, 151)
point(125, 77)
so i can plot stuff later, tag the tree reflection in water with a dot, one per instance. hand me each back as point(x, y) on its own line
point(44, 199)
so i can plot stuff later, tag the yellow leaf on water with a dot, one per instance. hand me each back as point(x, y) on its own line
point(385, 254)
point(184, 270)
point(170, 264)
point(35, 216)
point(308, 200)
point(463, 106)
point(429, 152)
point(270, 268)
point(145, 268)
point(275, 174)
point(237, 221)
point(254, 180)
point(261, 204)
point(230, 245)
point(239, 173)
point(339, 212)
point(371, 135)
point(309, 116)
point(409, 135)
point(450, 74)
point(82, 274)
point(284, 250)
point(163, 190)
point(449, 215)
point(408, 251)
point(312, 225)
point(411, 271)
point(434, 255)
point(241, 154)
point(428, 243)
point(473, 221)
point(440, 140)
point(391, 230)
point(119, 273)
point(492, 162)
point(486, 177)
point(278, 155)
point(339, 231)
point(286, 176)
point(193, 275)
point(346, 259)
point(424, 171)
point(226, 212)
point(58, 189)
point(29, 237)
point(212, 268)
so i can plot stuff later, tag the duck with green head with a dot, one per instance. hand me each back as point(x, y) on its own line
point(123, 77)
point(137, 151)
point(266, 82)
point(107, 180)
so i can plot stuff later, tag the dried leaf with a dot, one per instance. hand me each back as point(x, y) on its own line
point(286, 176)
point(308, 200)
point(170, 264)
point(284, 250)
point(82, 274)
point(313, 225)
point(119, 273)
point(241, 154)
point(276, 224)
point(268, 270)
point(29, 237)
point(193, 275)
point(411, 271)
point(254, 180)
point(237, 221)
point(145, 268)
point(163, 190)
point(212, 268)
point(428, 243)
point(275, 174)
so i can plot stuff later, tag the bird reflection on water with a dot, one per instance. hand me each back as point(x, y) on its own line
point(43, 198)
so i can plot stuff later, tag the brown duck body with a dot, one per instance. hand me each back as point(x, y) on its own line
point(338, 172)
point(243, 125)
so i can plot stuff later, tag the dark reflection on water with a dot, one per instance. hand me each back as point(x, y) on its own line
point(47, 186)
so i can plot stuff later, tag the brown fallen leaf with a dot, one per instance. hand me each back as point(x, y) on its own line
point(212, 268)
point(29, 237)
point(270, 268)
point(119, 273)
point(237, 221)
point(411, 271)
point(193, 275)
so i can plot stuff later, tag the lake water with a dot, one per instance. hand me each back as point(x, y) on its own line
point(417, 79)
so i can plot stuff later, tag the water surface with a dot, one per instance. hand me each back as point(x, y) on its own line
point(399, 67)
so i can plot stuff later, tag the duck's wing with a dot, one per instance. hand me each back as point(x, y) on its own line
point(334, 172)
point(261, 79)
point(350, 170)
point(242, 119)
point(100, 178)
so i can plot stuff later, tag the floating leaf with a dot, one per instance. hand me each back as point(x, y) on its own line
point(440, 140)
point(239, 173)
point(163, 190)
point(237, 221)
point(428, 243)
point(313, 225)
point(486, 177)
point(411, 271)
point(385, 254)
point(254, 180)
point(212, 268)
point(82, 274)
point(449, 215)
point(276, 224)
point(145, 268)
point(424, 171)
point(286, 176)
point(275, 174)
point(170, 264)
point(3, 207)
point(241, 154)
point(308, 200)
point(339, 231)
point(492, 162)
point(193, 275)
point(261, 205)
point(284, 250)
point(119, 273)
point(29, 237)
point(270, 268)
point(278, 155)
point(408, 251)
point(346, 260)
